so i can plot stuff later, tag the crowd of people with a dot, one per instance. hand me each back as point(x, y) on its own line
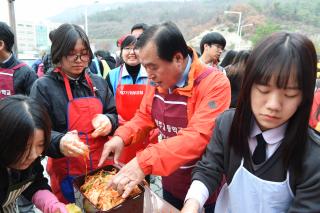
point(238, 134)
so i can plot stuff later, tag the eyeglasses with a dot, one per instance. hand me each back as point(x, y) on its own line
point(218, 46)
point(129, 49)
point(74, 57)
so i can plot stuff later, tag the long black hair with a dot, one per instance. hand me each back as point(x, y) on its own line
point(228, 58)
point(19, 117)
point(279, 56)
point(239, 62)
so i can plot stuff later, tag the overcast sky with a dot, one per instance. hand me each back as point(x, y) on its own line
point(33, 10)
point(37, 10)
point(42, 9)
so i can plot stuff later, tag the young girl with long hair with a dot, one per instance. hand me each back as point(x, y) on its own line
point(264, 147)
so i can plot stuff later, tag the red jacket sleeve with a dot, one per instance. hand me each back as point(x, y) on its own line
point(314, 111)
point(210, 98)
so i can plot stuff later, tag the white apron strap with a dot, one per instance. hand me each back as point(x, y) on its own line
point(12, 196)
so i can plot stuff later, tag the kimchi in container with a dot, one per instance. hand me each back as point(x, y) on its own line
point(85, 200)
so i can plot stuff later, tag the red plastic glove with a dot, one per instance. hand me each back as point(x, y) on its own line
point(47, 202)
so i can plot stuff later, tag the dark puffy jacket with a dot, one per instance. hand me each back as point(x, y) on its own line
point(111, 62)
point(50, 90)
point(23, 77)
point(34, 172)
point(47, 63)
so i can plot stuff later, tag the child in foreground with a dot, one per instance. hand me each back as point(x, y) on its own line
point(24, 136)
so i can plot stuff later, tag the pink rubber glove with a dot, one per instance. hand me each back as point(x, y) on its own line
point(47, 202)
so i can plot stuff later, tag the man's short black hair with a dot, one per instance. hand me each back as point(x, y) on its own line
point(142, 26)
point(212, 38)
point(7, 36)
point(167, 38)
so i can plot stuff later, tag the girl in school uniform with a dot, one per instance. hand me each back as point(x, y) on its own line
point(266, 151)
point(24, 136)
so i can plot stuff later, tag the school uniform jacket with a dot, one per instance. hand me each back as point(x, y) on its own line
point(17, 176)
point(219, 159)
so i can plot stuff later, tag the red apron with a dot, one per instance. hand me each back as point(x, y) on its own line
point(6, 80)
point(80, 113)
point(128, 99)
point(170, 114)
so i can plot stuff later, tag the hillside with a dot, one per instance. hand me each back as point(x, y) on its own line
point(194, 17)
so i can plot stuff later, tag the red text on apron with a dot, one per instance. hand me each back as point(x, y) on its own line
point(128, 99)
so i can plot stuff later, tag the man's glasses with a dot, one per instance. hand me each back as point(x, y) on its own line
point(218, 46)
point(74, 57)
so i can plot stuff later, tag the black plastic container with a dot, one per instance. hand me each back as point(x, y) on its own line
point(131, 204)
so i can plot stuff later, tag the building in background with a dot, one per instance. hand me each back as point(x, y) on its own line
point(33, 38)
point(26, 38)
point(42, 39)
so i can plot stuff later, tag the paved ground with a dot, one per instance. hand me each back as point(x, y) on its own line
point(156, 185)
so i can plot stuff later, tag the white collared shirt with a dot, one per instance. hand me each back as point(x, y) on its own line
point(273, 138)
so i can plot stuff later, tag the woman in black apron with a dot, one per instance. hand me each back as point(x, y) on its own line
point(24, 136)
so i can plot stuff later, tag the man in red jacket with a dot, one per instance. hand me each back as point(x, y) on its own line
point(183, 99)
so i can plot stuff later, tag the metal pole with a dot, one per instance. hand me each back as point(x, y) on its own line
point(240, 37)
point(239, 24)
point(12, 21)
